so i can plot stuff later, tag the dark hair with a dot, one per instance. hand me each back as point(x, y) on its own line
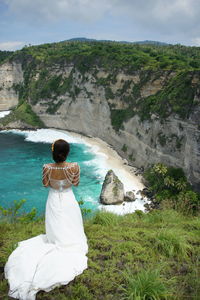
point(60, 150)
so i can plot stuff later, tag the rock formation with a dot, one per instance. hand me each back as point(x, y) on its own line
point(112, 190)
point(129, 196)
point(11, 74)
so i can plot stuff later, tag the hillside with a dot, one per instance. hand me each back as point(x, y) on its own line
point(144, 100)
point(155, 254)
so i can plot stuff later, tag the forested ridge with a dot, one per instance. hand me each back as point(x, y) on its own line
point(114, 55)
point(176, 63)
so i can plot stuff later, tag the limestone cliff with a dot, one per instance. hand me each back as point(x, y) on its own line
point(93, 102)
point(10, 74)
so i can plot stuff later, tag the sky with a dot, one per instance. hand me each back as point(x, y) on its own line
point(33, 22)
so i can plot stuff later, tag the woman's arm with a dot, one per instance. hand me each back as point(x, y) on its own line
point(45, 176)
point(75, 170)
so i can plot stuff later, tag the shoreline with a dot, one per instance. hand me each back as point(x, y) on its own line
point(112, 159)
point(122, 170)
point(108, 159)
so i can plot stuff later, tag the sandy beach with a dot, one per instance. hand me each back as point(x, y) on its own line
point(126, 173)
point(113, 161)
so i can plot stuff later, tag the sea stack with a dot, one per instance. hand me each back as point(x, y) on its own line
point(112, 190)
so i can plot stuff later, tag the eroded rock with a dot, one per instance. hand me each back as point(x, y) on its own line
point(112, 190)
point(129, 196)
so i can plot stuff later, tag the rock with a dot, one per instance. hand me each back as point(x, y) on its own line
point(139, 171)
point(129, 197)
point(144, 181)
point(125, 162)
point(112, 190)
point(11, 74)
point(146, 193)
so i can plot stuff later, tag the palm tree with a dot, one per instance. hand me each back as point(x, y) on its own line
point(160, 169)
point(181, 184)
point(169, 181)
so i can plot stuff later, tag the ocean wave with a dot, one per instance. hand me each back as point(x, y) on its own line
point(90, 199)
point(125, 207)
point(99, 165)
point(45, 135)
point(4, 113)
point(94, 149)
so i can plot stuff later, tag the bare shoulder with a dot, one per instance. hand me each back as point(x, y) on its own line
point(74, 167)
point(46, 166)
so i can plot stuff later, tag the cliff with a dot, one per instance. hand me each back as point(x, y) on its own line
point(10, 74)
point(147, 115)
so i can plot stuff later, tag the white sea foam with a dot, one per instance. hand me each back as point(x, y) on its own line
point(125, 207)
point(45, 135)
point(100, 165)
point(91, 200)
point(4, 113)
point(129, 184)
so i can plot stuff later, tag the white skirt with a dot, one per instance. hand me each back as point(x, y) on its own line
point(52, 259)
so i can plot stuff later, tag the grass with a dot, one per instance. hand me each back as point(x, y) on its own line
point(172, 243)
point(138, 256)
point(146, 285)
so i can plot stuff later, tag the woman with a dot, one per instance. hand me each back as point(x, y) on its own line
point(55, 258)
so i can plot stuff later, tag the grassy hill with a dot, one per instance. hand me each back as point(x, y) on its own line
point(137, 256)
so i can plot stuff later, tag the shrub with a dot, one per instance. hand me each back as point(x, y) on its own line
point(171, 243)
point(170, 184)
point(15, 213)
point(145, 285)
point(106, 218)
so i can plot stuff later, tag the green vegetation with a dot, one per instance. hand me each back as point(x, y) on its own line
point(108, 93)
point(137, 256)
point(171, 188)
point(54, 107)
point(162, 139)
point(131, 157)
point(4, 55)
point(147, 284)
point(124, 148)
point(15, 213)
point(118, 116)
point(113, 55)
point(176, 97)
point(177, 66)
point(24, 113)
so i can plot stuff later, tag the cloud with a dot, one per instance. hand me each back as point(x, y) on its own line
point(9, 46)
point(171, 19)
point(151, 10)
point(196, 41)
point(51, 10)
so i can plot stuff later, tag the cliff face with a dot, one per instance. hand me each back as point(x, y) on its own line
point(92, 103)
point(10, 75)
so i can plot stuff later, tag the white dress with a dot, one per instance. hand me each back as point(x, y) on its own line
point(52, 259)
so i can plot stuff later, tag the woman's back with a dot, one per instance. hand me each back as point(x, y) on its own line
point(61, 176)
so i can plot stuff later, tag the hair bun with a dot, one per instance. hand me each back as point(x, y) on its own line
point(60, 150)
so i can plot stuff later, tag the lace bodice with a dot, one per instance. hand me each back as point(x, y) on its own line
point(68, 175)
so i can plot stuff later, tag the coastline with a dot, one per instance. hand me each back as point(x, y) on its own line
point(125, 172)
point(105, 156)
point(112, 159)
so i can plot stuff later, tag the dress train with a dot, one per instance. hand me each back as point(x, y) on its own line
point(52, 259)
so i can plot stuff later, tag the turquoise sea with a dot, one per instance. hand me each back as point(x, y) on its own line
point(22, 155)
